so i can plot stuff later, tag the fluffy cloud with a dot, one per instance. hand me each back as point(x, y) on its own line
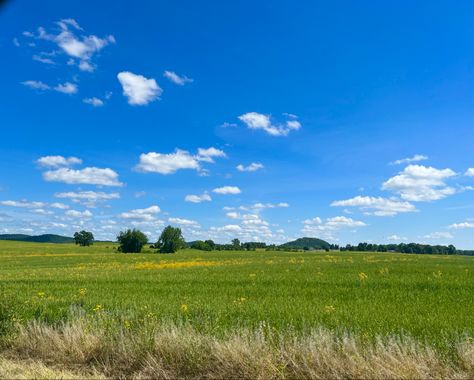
point(469, 172)
point(144, 214)
point(95, 102)
point(79, 47)
point(183, 222)
point(331, 224)
point(167, 163)
point(208, 154)
point(193, 198)
point(177, 79)
point(36, 85)
point(419, 183)
point(89, 176)
point(439, 235)
point(138, 89)
point(66, 88)
point(58, 161)
point(233, 215)
point(23, 204)
point(396, 238)
point(227, 190)
point(255, 120)
point(170, 163)
point(461, 226)
point(382, 206)
point(89, 198)
point(253, 167)
point(79, 214)
point(408, 160)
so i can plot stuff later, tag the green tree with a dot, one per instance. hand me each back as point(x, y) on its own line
point(84, 238)
point(236, 243)
point(171, 239)
point(131, 241)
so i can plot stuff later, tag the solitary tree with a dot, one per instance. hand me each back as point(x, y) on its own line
point(131, 241)
point(171, 239)
point(236, 243)
point(84, 238)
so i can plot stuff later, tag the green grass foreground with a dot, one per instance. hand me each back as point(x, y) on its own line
point(428, 297)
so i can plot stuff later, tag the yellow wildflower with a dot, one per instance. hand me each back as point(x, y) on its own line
point(184, 308)
point(41, 294)
point(328, 309)
point(82, 291)
point(362, 276)
point(97, 308)
point(127, 324)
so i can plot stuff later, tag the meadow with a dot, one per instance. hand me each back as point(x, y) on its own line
point(417, 303)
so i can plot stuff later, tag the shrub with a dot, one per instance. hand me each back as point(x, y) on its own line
point(131, 241)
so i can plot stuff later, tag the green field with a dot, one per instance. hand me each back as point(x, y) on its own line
point(427, 297)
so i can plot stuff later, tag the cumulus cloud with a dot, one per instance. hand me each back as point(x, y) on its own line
point(469, 172)
point(138, 89)
point(193, 198)
point(88, 198)
point(253, 167)
point(180, 80)
point(95, 102)
point(183, 222)
point(58, 161)
point(439, 235)
point(461, 226)
point(167, 163)
point(233, 215)
point(89, 176)
point(36, 85)
point(208, 154)
point(408, 160)
point(66, 88)
point(79, 214)
point(382, 206)
point(144, 214)
point(23, 204)
point(396, 238)
point(70, 40)
point(331, 224)
point(255, 120)
point(419, 183)
point(170, 163)
point(227, 190)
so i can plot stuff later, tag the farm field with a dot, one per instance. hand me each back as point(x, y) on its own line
point(427, 298)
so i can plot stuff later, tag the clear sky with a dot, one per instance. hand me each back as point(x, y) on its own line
point(263, 120)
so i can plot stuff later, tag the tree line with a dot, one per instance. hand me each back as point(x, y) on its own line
point(403, 248)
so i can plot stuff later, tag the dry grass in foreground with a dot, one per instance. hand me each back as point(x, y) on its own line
point(75, 350)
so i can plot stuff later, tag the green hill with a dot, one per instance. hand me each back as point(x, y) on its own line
point(47, 238)
point(306, 243)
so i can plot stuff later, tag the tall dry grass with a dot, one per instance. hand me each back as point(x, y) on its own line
point(77, 349)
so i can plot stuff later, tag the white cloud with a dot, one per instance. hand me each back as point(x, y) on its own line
point(208, 154)
point(82, 47)
point(461, 226)
point(254, 166)
point(227, 190)
point(66, 88)
point(177, 79)
point(23, 204)
point(138, 89)
point(261, 206)
point(78, 214)
point(88, 197)
point(439, 235)
point(58, 205)
point(331, 224)
point(193, 198)
point(396, 238)
point(469, 172)
point(233, 215)
point(183, 222)
point(36, 84)
point(167, 163)
point(408, 160)
point(420, 183)
point(144, 214)
point(58, 161)
point(382, 206)
point(42, 59)
point(255, 120)
point(90, 176)
point(96, 102)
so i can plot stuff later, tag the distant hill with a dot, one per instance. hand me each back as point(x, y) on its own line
point(47, 238)
point(306, 242)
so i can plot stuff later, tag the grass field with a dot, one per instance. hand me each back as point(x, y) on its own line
point(427, 298)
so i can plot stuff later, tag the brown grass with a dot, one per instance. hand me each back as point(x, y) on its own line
point(77, 350)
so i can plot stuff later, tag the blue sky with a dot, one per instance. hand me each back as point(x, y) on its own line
point(348, 121)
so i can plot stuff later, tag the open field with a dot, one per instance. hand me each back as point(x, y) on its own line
point(421, 301)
